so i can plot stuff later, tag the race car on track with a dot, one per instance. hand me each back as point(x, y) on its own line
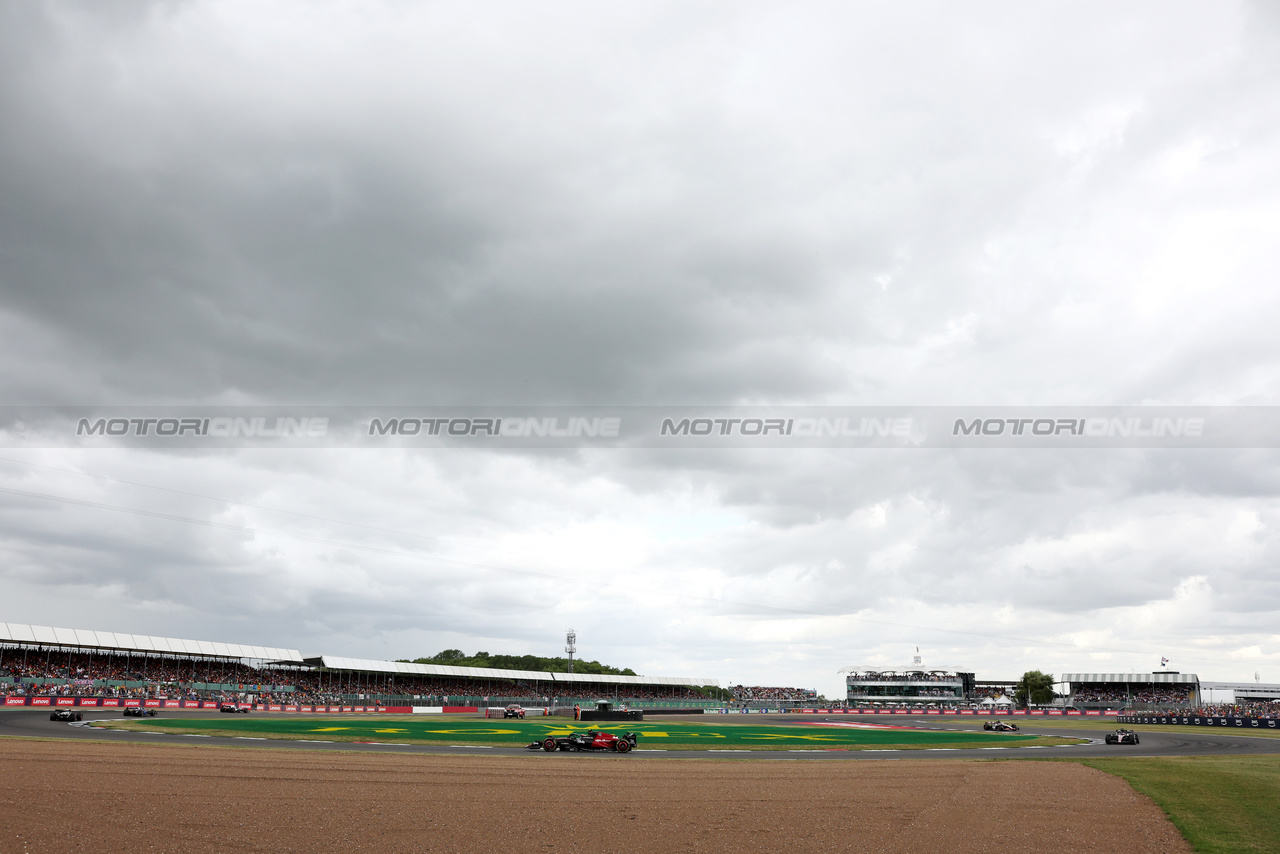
point(1122, 736)
point(593, 740)
point(1000, 726)
point(515, 710)
point(139, 712)
point(233, 708)
point(65, 715)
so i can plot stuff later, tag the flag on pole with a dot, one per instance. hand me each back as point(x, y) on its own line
point(1163, 661)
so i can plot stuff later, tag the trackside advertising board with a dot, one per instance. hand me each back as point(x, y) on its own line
point(987, 713)
point(1201, 720)
point(122, 702)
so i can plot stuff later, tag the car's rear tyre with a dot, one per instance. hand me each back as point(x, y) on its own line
point(79, 716)
point(622, 745)
point(549, 745)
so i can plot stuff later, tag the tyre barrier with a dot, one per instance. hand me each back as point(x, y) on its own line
point(1201, 720)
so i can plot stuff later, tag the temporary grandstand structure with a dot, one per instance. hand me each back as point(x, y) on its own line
point(1127, 689)
point(208, 666)
point(549, 683)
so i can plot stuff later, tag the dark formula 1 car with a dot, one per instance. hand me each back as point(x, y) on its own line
point(514, 710)
point(139, 712)
point(233, 708)
point(65, 715)
point(593, 740)
point(1122, 736)
point(1000, 726)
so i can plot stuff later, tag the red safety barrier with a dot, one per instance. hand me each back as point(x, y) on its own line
point(15, 701)
point(112, 702)
point(41, 701)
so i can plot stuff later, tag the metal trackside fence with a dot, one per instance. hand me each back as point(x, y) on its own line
point(1201, 720)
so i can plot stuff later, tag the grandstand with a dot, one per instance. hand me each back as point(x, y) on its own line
point(769, 697)
point(1137, 691)
point(913, 685)
point(78, 662)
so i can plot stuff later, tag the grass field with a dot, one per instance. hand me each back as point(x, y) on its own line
point(1221, 804)
point(652, 735)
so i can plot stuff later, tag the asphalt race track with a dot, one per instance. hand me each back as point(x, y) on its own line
point(1175, 741)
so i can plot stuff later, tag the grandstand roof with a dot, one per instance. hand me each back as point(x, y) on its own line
point(1126, 678)
point(22, 633)
point(368, 665)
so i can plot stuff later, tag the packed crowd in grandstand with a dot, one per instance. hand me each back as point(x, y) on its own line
point(1248, 709)
point(1121, 694)
point(756, 693)
point(55, 672)
point(909, 676)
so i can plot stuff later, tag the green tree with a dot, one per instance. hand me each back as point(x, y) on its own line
point(1034, 688)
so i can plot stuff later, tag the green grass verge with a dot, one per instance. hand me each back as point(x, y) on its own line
point(1221, 804)
point(656, 734)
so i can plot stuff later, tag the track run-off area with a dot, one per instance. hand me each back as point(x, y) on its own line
point(651, 735)
point(758, 737)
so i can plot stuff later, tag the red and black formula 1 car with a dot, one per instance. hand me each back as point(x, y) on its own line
point(1000, 726)
point(1122, 736)
point(65, 715)
point(592, 739)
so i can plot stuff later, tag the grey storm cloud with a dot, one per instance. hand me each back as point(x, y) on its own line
point(634, 205)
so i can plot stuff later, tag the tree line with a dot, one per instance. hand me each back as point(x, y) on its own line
point(457, 658)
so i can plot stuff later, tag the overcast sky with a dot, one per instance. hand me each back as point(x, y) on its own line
point(226, 203)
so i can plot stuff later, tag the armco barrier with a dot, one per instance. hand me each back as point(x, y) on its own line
point(1201, 720)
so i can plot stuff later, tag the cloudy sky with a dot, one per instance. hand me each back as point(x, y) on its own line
point(231, 203)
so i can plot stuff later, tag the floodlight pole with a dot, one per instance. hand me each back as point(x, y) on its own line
point(571, 646)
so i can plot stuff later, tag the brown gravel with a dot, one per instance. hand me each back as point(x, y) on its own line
point(67, 797)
